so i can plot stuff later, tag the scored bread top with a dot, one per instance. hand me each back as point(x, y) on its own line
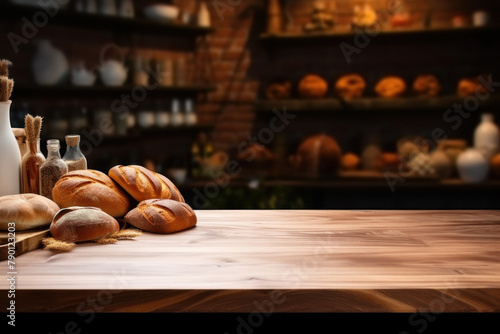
point(162, 216)
point(143, 184)
point(91, 188)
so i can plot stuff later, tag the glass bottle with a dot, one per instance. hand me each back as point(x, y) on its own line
point(52, 169)
point(190, 116)
point(177, 117)
point(73, 157)
point(31, 163)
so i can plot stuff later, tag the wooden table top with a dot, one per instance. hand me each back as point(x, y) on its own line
point(291, 261)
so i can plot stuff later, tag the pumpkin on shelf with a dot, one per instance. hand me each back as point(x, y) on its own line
point(313, 86)
point(350, 86)
point(318, 155)
point(390, 87)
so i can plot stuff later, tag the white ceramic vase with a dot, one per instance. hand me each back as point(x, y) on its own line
point(487, 137)
point(10, 155)
point(472, 166)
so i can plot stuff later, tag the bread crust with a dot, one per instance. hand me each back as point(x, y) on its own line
point(27, 211)
point(162, 216)
point(78, 224)
point(143, 184)
point(91, 188)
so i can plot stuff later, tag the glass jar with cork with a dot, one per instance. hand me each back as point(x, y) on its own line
point(52, 169)
point(74, 158)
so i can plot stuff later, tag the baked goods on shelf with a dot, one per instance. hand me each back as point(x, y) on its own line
point(470, 86)
point(313, 86)
point(426, 85)
point(350, 161)
point(78, 224)
point(143, 184)
point(317, 155)
point(350, 86)
point(91, 188)
point(162, 216)
point(279, 90)
point(390, 87)
point(27, 211)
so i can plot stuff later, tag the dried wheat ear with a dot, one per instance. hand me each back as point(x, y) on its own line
point(6, 84)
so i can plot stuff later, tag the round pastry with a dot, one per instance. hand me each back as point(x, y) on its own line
point(27, 211)
point(143, 184)
point(77, 224)
point(313, 86)
point(279, 90)
point(469, 86)
point(162, 216)
point(427, 85)
point(350, 161)
point(350, 86)
point(317, 155)
point(390, 87)
point(389, 161)
point(91, 188)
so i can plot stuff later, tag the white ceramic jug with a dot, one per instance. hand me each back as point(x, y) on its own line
point(113, 72)
point(487, 137)
point(472, 166)
point(10, 155)
point(49, 64)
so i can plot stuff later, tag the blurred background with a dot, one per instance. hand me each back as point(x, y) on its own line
point(276, 104)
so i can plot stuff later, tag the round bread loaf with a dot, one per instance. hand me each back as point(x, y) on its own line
point(390, 87)
point(427, 85)
point(77, 224)
point(91, 188)
point(27, 211)
point(350, 86)
point(162, 216)
point(143, 184)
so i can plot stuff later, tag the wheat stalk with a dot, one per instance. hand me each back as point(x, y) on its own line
point(6, 84)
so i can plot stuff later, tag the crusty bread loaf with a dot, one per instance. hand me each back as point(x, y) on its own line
point(77, 224)
point(162, 216)
point(143, 184)
point(91, 188)
point(27, 211)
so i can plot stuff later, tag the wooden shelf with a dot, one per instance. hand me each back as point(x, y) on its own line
point(104, 22)
point(24, 90)
point(369, 104)
point(467, 32)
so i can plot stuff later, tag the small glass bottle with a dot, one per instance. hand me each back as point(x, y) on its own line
point(73, 157)
point(31, 163)
point(52, 169)
point(190, 116)
point(177, 117)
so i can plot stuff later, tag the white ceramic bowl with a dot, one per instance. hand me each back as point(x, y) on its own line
point(162, 12)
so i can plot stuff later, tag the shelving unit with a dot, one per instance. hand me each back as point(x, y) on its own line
point(412, 33)
point(105, 22)
point(375, 104)
point(125, 32)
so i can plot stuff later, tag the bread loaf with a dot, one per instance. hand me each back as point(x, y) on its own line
point(162, 216)
point(390, 87)
point(91, 188)
point(27, 211)
point(77, 224)
point(143, 184)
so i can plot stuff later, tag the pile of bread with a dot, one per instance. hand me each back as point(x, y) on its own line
point(87, 205)
point(353, 85)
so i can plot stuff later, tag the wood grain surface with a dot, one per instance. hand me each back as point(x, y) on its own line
point(287, 261)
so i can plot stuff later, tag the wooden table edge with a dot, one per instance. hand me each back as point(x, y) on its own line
point(86, 301)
